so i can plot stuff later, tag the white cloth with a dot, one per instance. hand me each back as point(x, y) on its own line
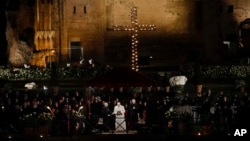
point(120, 123)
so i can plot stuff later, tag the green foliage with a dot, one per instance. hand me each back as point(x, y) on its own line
point(196, 128)
point(240, 83)
point(225, 71)
point(29, 120)
point(47, 73)
point(88, 73)
point(44, 118)
point(178, 116)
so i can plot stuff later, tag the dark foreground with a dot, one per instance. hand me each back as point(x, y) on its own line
point(112, 138)
point(124, 137)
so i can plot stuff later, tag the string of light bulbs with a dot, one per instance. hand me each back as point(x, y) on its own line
point(134, 28)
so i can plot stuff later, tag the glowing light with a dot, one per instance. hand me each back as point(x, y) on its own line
point(41, 136)
point(134, 28)
point(45, 88)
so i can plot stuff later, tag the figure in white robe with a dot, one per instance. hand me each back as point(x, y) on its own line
point(120, 123)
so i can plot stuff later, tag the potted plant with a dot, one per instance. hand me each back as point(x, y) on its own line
point(44, 124)
point(29, 120)
point(198, 78)
point(45, 118)
point(166, 81)
point(179, 120)
point(240, 84)
point(196, 129)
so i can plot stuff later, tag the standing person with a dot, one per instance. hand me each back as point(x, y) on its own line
point(133, 112)
point(120, 123)
point(107, 117)
point(95, 112)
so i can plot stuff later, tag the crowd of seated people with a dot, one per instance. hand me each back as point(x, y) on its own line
point(81, 111)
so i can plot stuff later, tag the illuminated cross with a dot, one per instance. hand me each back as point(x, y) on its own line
point(134, 28)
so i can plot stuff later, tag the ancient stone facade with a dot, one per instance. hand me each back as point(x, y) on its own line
point(186, 30)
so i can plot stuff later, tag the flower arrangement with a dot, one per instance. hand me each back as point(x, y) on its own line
point(240, 83)
point(29, 119)
point(78, 114)
point(45, 117)
point(177, 116)
point(170, 115)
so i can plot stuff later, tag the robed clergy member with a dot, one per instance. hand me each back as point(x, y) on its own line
point(120, 123)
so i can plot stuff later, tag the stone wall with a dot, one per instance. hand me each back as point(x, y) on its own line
point(186, 29)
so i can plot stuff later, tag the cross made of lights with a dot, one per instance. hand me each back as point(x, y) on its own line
point(134, 28)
